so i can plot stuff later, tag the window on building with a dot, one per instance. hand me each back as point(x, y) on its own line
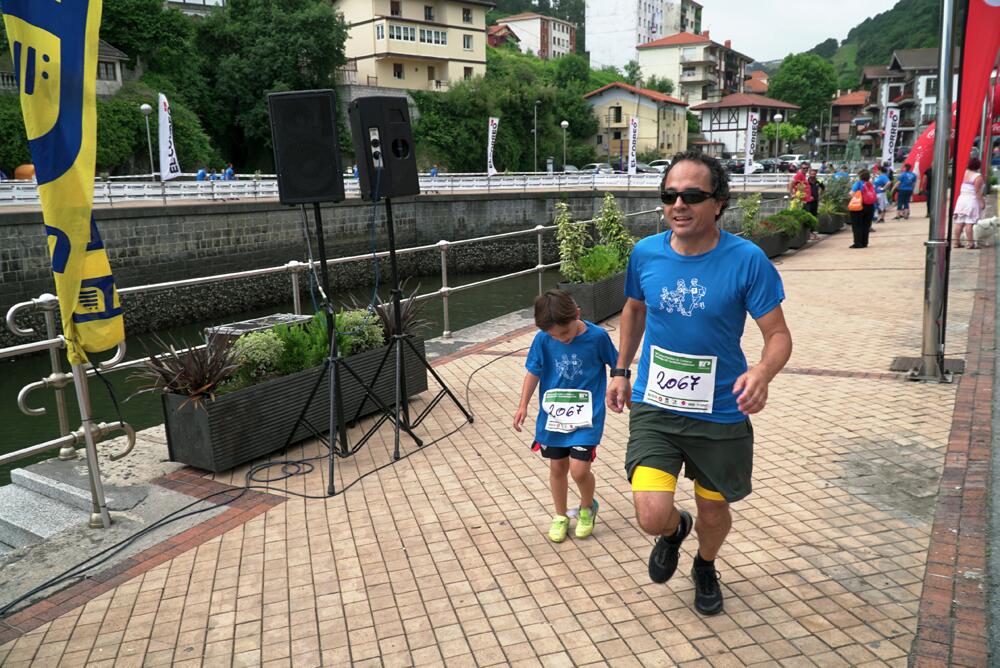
point(428, 13)
point(397, 71)
point(394, 8)
point(616, 114)
point(931, 87)
point(688, 72)
point(466, 15)
point(106, 71)
point(379, 31)
point(468, 73)
point(467, 42)
point(600, 139)
point(617, 135)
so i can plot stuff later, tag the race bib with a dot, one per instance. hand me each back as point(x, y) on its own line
point(568, 410)
point(680, 382)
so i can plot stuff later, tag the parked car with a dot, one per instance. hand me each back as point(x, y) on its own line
point(790, 161)
point(570, 168)
point(770, 165)
point(660, 165)
point(597, 168)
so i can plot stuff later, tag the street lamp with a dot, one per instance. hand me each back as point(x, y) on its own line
point(146, 111)
point(777, 134)
point(564, 125)
point(534, 131)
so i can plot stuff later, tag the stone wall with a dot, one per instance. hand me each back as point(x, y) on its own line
point(151, 243)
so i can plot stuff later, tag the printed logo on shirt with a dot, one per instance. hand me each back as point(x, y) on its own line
point(569, 367)
point(683, 299)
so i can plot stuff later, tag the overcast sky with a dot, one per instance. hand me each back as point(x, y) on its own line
point(771, 29)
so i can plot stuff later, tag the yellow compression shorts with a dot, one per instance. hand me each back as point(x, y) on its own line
point(648, 479)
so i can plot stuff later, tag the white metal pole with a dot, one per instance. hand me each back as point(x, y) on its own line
point(99, 516)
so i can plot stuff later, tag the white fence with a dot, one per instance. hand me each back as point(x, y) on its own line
point(131, 188)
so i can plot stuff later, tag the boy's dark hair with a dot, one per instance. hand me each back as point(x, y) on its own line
point(907, 166)
point(864, 175)
point(720, 178)
point(555, 307)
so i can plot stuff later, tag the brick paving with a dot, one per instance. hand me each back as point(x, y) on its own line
point(442, 558)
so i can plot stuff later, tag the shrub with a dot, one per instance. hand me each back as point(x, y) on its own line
point(258, 355)
point(194, 372)
point(611, 231)
point(572, 244)
point(838, 193)
point(599, 263)
point(358, 331)
point(750, 205)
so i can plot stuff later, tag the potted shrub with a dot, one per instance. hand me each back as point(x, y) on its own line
point(761, 232)
point(838, 195)
point(225, 405)
point(595, 276)
point(827, 221)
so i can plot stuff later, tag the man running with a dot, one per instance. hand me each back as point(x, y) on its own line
point(689, 290)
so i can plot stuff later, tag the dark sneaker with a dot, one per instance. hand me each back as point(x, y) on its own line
point(707, 592)
point(663, 558)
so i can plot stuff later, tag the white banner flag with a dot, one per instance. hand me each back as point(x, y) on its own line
point(753, 125)
point(490, 141)
point(169, 167)
point(633, 141)
point(891, 137)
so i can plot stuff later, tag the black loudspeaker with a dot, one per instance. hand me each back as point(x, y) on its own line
point(306, 146)
point(383, 147)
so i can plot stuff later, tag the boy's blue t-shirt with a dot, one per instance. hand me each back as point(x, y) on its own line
point(579, 365)
point(697, 305)
point(907, 180)
point(880, 182)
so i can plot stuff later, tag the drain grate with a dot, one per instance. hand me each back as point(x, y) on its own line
point(908, 364)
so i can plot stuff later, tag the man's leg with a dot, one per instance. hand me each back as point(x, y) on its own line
point(712, 526)
point(656, 513)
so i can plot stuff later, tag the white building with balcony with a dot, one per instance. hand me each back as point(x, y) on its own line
point(702, 70)
point(545, 36)
point(724, 123)
point(615, 28)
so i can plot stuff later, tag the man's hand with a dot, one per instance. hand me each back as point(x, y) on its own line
point(519, 416)
point(751, 392)
point(619, 394)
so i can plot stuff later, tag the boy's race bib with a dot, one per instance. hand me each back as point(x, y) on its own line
point(680, 382)
point(568, 410)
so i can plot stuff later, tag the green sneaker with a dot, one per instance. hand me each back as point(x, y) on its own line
point(560, 525)
point(585, 523)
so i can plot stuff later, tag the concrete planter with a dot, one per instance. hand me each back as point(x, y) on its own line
point(799, 240)
point(253, 422)
point(773, 245)
point(598, 301)
point(829, 223)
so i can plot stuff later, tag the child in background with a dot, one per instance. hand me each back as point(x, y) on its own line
point(567, 358)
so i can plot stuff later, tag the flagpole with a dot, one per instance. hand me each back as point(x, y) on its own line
point(936, 272)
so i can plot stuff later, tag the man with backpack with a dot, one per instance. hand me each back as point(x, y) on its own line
point(862, 208)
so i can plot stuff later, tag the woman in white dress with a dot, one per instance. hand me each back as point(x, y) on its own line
point(970, 204)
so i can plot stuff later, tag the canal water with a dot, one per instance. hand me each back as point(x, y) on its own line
point(142, 411)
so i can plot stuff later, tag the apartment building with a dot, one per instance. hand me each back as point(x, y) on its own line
point(681, 16)
point(724, 123)
point(703, 70)
point(545, 36)
point(662, 120)
point(846, 115)
point(414, 44)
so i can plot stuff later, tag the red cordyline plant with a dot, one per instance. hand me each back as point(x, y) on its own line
point(195, 372)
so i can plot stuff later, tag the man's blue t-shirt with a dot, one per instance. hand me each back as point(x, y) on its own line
point(697, 305)
point(580, 365)
point(841, 175)
point(200, 176)
point(907, 180)
point(880, 182)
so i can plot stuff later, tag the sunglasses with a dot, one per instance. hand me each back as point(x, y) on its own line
point(690, 196)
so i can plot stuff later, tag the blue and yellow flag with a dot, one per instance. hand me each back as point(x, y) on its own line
point(54, 47)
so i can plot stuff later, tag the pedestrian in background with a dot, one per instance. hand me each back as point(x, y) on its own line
point(970, 204)
point(201, 175)
point(881, 182)
point(816, 188)
point(229, 174)
point(799, 185)
point(904, 191)
point(862, 208)
point(926, 189)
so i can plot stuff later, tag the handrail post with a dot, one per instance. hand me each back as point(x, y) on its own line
point(293, 268)
point(540, 268)
point(48, 303)
point(443, 245)
point(99, 516)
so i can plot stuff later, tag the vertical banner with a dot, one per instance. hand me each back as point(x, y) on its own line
point(633, 142)
point(979, 54)
point(891, 136)
point(750, 144)
point(490, 142)
point(169, 167)
point(54, 49)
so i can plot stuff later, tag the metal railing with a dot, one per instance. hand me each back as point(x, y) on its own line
point(25, 193)
point(89, 433)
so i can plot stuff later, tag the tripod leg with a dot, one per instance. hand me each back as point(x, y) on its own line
point(440, 381)
point(400, 397)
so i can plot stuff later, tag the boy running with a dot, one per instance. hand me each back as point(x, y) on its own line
point(568, 358)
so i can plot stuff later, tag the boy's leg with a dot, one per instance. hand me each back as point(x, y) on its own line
point(558, 470)
point(584, 479)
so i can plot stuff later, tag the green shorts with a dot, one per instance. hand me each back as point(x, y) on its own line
point(718, 457)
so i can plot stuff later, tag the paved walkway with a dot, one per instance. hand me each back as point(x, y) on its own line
point(443, 558)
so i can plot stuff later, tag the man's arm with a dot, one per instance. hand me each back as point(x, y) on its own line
point(751, 387)
point(631, 324)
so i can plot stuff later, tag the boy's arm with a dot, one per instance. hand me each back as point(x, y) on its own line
point(527, 390)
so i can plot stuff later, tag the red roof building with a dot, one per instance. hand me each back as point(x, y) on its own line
point(662, 120)
point(726, 120)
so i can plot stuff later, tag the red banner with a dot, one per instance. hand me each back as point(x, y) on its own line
point(922, 154)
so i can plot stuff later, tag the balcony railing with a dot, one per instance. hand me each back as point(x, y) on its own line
point(8, 81)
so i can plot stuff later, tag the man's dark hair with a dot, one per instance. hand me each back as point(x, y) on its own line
point(907, 166)
point(974, 164)
point(720, 178)
point(554, 307)
point(864, 175)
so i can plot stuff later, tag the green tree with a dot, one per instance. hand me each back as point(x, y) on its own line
point(662, 85)
point(633, 72)
point(808, 81)
point(255, 47)
point(14, 146)
point(694, 123)
point(789, 133)
point(825, 49)
point(572, 69)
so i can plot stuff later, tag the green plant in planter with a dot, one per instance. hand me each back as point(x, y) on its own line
point(194, 372)
point(750, 205)
point(358, 331)
point(838, 193)
point(305, 346)
point(409, 310)
point(806, 219)
point(258, 354)
point(827, 207)
point(611, 231)
point(572, 239)
point(599, 263)
point(785, 222)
